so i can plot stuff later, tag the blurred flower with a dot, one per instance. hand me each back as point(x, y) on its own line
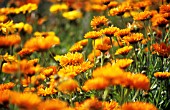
point(72, 15)
point(28, 28)
point(10, 40)
point(25, 100)
point(95, 84)
point(8, 58)
point(91, 55)
point(110, 105)
point(162, 75)
point(25, 51)
point(162, 49)
point(138, 106)
point(69, 85)
point(123, 63)
point(46, 91)
point(48, 71)
point(164, 9)
point(124, 50)
point(53, 104)
point(4, 97)
point(93, 34)
point(98, 21)
point(7, 27)
point(3, 18)
point(58, 7)
point(142, 4)
point(98, 7)
point(18, 26)
point(27, 8)
point(112, 4)
point(6, 86)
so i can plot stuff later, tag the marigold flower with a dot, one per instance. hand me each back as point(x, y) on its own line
point(69, 85)
point(142, 16)
point(7, 27)
point(122, 32)
point(133, 38)
point(10, 40)
point(28, 28)
point(53, 104)
point(6, 86)
point(25, 100)
point(162, 75)
point(138, 106)
point(28, 8)
point(110, 105)
point(124, 50)
point(161, 49)
point(93, 35)
point(91, 55)
point(46, 91)
point(112, 4)
point(164, 9)
point(72, 15)
point(48, 71)
point(120, 10)
point(25, 51)
point(71, 59)
point(3, 18)
point(103, 47)
point(76, 48)
point(98, 21)
point(110, 31)
point(142, 4)
point(5, 96)
point(58, 7)
point(9, 58)
point(98, 7)
point(123, 63)
point(95, 84)
point(83, 42)
point(159, 20)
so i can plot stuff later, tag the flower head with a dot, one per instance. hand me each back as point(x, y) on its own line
point(93, 35)
point(98, 21)
point(72, 15)
point(162, 75)
point(161, 49)
point(124, 50)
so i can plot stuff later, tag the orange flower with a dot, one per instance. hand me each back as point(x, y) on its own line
point(53, 104)
point(96, 84)
point(103, 47)
point(98, 7)
point(105, 2)
point(161, 49)
point(5, 96)
point(83, 42)
point(69, 85)
point(10, 40)
point(112, 4)
point(124, 50)
point(142, 4)
point(6, 86)
point(120, 10)
point(123, 63)
point(110, 105)
point(109, 32)
point(122, 32)
point(90, 104)
point(133, 38)
point(25, 100)
point(25, 51)
point(162, 75)
point(91, 55)
point(138, 106)
point(71, 59)
point(76, 48)
point(46, 91)
point(164, 9)
point(142, 16)
point(93, 35)
point(98, 21)
point(159, 20)
point(48, 71)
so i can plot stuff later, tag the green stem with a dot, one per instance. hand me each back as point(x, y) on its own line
point(166, 36)
point(112, 51)
point(94, 53)
point(136, 94)
point(106, 91)
point(102, 59)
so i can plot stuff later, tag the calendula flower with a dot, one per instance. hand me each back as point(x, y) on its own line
point(98, 7)
point(133, 38)
point(93, 35)
point(53, 104)
point(6, 86)
point(25, 51)
point(124, 50)
point(71, 71)
point(83, 42)
point(71, 59)
point(162, 75)
point(142, 16)
point(69, 85)
point(96, 84)
point(159, 20)
point(142, 4)
point(58, 7)
point(164, 9)
point(28, 8)
point(19, 26)
point(46, 91)
point(7, 27)
point(123, 63)
point(48, 71)
point(110, 31)
point(161, 49)
point(105, 2)
point(72, 15)
point(42, 43)
point(28, 28)
point(98, 21)
point(138, 106)
point(94, 54)
point(122, 32)
point(110, 105)
point(103, 47)
point(44, 34)
point(4, 97)
point(76, 48)
point(25, 100)
point(120, 10)
point(112, 4)
point(3, 18)
point(9, 58)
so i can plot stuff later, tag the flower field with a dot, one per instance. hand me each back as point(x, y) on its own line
point(84, 55)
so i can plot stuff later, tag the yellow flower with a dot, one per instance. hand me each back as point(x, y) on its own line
point(110, 105)
point(98, 21)
point(19, 26)
point(162, 75)
point(7, 27)
point(93, 35)
point(58, 7)
point(28, 28)
point(133, 38)
point(3, 18)
point(109, 32)
point(123, 63)
point(6, 86)
point(124, 50)
point(28, 8)
point(72, 15)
